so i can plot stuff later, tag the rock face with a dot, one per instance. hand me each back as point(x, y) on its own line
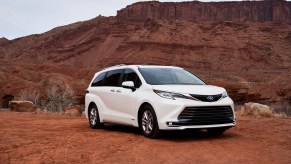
point(254, 11)
point(3, 41)
point(22, 106)
point(251, 59)
point(255, 109)
point(74, 110)
point(5, 100)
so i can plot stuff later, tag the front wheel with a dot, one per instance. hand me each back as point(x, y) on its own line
point(94, 119)
point(148, 122)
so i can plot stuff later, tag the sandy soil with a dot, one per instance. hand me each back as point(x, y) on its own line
point(55, 138)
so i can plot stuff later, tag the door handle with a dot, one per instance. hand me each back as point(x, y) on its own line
point(112, 90)
point(118, 90)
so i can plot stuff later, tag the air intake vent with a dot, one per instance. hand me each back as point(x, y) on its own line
point(205, 115)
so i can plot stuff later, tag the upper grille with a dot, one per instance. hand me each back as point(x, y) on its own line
point(206, 98)
point(208, 115)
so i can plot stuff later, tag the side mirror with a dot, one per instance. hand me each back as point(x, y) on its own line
point(129, 85)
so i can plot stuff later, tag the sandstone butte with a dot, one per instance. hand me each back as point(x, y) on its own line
point(255, 11)
point(243, 46)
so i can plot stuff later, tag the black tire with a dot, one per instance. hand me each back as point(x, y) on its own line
point(216, 131)
point(94, 119)
point(149, 127)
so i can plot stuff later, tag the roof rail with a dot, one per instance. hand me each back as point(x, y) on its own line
point(114, 66)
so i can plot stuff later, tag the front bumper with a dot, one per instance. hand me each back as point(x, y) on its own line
point(168, 112)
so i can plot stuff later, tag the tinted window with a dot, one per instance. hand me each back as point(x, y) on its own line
point(164, 76)
point(130, 75)
point(112, 78)
point(98, 81)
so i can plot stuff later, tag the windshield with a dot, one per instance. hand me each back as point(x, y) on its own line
point(171, 76)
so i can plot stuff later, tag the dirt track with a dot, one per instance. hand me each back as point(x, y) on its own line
point(49, 138)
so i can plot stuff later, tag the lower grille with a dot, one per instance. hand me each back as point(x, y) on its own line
point(209, 115)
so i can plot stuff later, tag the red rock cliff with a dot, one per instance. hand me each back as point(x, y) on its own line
point(259, 11)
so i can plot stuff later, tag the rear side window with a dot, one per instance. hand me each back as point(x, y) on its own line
point(98, 81)
point(113, 77)
point(130, 75)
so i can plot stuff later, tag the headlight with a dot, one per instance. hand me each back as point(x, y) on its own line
point(171, 95)
point(224, 95)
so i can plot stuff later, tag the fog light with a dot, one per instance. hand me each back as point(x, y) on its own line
point(170, 123)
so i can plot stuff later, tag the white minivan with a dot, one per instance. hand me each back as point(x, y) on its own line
point(156, 98)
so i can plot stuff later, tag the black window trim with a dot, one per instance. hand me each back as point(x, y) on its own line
point(119, 80)
point(121, 77)
point(136, 75)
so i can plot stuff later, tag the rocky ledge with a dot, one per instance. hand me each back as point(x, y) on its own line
point(254, 11)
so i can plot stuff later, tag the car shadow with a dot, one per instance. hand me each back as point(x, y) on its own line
point(192, 134)
point(174, 135)
point(122, 128)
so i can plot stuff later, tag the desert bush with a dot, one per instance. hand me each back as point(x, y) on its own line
point(282, 108)
point(286, 108)
point(32, 95)
point(58, 96)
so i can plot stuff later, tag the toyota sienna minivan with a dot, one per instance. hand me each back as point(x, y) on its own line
point(156, 98)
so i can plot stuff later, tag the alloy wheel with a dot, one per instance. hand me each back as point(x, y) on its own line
point(93, 116)
point(147, 121)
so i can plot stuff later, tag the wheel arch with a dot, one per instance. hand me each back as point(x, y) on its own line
point(139, 111)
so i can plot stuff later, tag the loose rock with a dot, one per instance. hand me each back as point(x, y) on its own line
point(22, 106)
point(256, 109)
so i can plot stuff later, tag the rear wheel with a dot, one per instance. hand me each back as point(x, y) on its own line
point(94, 119)
point(148, 122)
point(216, 131)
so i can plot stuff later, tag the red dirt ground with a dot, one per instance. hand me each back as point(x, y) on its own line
point(56, 138)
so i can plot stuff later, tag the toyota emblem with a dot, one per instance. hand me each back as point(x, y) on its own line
point(210, 98)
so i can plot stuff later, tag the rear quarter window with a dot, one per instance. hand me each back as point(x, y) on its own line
point(99, 80)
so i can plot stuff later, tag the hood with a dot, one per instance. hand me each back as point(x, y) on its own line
point(191, 89)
